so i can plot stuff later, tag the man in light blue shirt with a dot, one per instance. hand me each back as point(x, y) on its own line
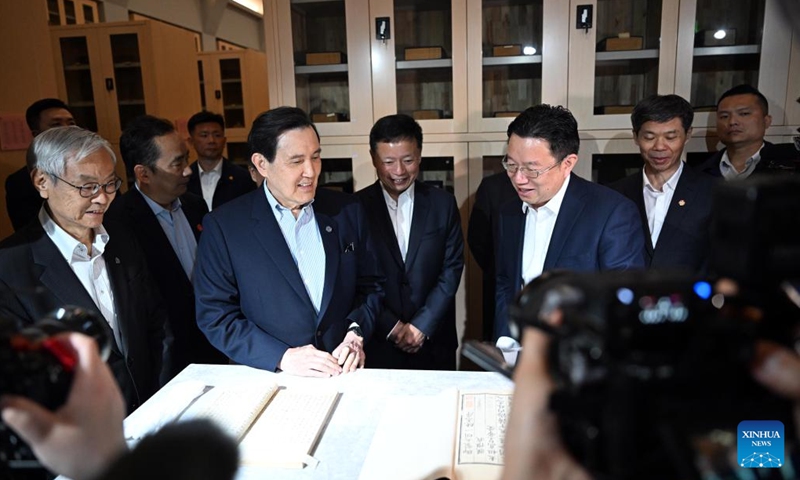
point(166, 220)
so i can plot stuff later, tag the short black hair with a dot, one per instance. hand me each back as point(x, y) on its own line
point(662, 109)
point(394, 128)
point(552, 123)
point(137, 143)
point(205, 117)
point(33, 112)
point(745, 89)
point(270, 125)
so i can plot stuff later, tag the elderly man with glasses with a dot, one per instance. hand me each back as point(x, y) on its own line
point(559, 221)
point(66, 257)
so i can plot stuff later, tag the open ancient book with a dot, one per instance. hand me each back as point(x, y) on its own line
point(454, 435)
point(276, 426)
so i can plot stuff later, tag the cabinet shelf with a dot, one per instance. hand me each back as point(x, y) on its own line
point(127, 65)
point(312, 69)
point(412, 64)
point(130, 102)
point(76, 67)
point(732, 50)
point(231, 80)
point(515, 60)
point(627, 55)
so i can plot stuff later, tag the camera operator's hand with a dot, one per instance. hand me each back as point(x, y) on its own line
point(83, 437)
point(533, 443)
point(777, 368)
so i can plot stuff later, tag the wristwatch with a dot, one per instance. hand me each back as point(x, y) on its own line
point(356, 329)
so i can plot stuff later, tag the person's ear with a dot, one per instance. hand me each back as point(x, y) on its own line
point(260, 162)
point(142, 174)
point(41, 182)
point(568, 163)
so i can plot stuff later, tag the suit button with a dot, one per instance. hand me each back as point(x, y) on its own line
point(319, 333)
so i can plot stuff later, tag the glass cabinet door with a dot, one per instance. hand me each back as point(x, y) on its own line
point(627, 55)
point(127, 65)
point(77, 78)
point(232, 93)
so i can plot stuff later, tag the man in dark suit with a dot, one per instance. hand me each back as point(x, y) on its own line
point(742, 122)
point(418, 239)
point(674, 200)
point(494, 191)
point(68, 258)
point(166, 221)
point(562, 221)
point(22, 200)
point(286, 276)
point(214, 177)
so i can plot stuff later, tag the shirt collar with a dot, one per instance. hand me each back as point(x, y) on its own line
point(554, 204)
point(217, 170)
point(277, 208)
point(725, 162)
point(408, 195)
point(68, 245)
point(669, 184)
point(158, 209)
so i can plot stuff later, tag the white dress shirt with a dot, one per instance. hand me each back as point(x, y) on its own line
point(729, 171)
point(90, 269)
point(657, 202)
point(209, 180)
point(401, 212)
point(539, 225)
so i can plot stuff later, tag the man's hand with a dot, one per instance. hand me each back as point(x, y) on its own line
point(350, 353)
point(307, 361)
point(83, 437)
point(409, 338)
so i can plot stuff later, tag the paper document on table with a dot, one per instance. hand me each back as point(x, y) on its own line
point(233, 409)
point(455, 435)
point(286, 433)
point(173, 400)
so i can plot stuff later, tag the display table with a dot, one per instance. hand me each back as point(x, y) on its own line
point(346, 439)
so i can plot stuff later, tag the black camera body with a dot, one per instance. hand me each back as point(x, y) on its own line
point(36, 366)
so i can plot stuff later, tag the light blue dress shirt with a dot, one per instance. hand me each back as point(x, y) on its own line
point(305, 242)
point(178, 231)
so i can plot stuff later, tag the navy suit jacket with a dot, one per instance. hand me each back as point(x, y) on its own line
point(135, 217)
point(35, 279)
point(685, 239)
point(421, 290)
point(596, 229)
point(251, 301)
point(775, 159)
point(22, 199)
point(234, 181)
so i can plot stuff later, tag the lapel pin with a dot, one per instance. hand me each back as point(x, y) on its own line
point(230, 177)
point(199, 227)
point(681, 202)
point(328, 229)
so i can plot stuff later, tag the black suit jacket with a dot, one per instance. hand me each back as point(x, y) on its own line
point(131, 213)
point(775, 159)
point(422, 289)
point(35, 279)
point(22, 200)
point(494, 190)
point(685, 240)
point(233, 181)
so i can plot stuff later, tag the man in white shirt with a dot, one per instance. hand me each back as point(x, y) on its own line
point(673, 199)
point(742, 122)
point(559, 221)
point(420, 246)
point(166, 220)
point(214, 177)
point(68, 258)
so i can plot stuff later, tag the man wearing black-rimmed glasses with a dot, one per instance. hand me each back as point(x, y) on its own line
point(559, 221)
point(67, 257)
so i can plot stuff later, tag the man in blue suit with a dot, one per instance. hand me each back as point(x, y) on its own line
point(674, 200)
point(417, 232)
point(562, 221)
point(286, 277)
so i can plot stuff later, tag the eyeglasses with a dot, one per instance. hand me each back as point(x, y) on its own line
point(91, 189)
point(513, 168)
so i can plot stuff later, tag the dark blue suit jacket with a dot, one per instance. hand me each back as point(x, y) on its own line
point(597, 229)
point(234, 181)
point(685, 239)
point(251, 301)
point(422, 289)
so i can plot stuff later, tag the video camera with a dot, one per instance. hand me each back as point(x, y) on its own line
point(34, 365)
point(647, 363)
